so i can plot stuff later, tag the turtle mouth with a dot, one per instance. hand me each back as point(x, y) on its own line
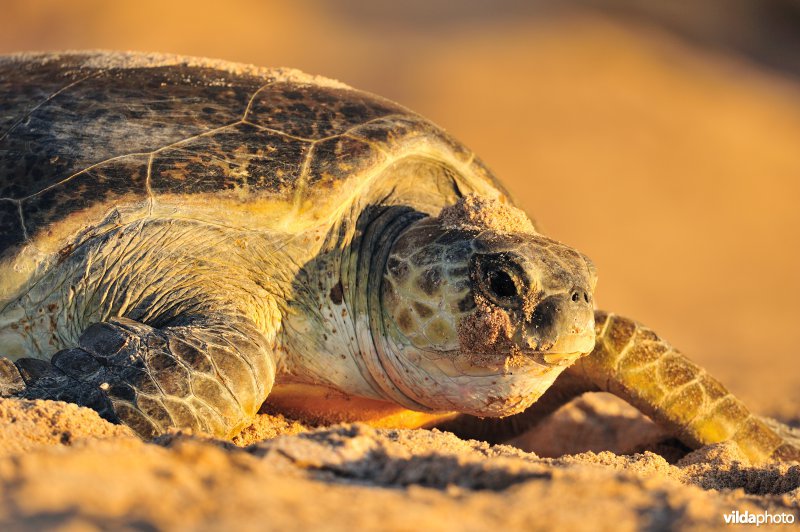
point(504, 362)
point(563, 352)
point(559, 359)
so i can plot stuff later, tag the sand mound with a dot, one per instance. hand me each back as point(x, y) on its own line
point(350, 476)
point(31, 425)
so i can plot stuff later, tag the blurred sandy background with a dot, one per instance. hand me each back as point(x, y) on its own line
point(662, 139)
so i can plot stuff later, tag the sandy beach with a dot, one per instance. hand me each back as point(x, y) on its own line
point(62, 467)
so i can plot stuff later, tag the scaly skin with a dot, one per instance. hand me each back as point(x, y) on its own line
point(148, 329)
point(632, 362)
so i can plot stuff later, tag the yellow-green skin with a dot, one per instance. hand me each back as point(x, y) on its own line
point(665, 385)
point(179, 236)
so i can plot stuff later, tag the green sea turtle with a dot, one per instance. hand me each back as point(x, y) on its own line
point(183, 239)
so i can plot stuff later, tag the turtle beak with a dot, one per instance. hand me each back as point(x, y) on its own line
point(561, 328)
point(562, 359)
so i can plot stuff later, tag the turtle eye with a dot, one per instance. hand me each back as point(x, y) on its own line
point(501, 284)
point(499, 278)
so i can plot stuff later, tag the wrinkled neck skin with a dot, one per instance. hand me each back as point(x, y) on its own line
point(338, 334)
point(328, 335)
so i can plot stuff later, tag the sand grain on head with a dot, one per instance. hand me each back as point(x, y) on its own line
point(485, 336)
point(474, 212)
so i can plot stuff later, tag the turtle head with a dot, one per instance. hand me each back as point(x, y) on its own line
point(481, 312)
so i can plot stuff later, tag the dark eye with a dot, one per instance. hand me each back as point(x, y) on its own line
point(501, 284)
point(500, 278)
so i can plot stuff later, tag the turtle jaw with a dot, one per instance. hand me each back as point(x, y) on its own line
point(496, 390)
point(501, 380)
point(562, 359)
point(426, 380)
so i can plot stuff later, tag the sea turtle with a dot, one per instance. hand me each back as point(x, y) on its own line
point(183, 239)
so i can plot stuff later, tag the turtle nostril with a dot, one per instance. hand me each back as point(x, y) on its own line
point(577, 294)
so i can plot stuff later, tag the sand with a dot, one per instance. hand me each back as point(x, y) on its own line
point(63, 467)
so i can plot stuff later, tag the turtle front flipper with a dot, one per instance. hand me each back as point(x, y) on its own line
point(209, 374)
point(632, 362)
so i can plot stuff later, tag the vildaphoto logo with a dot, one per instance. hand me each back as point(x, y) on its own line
point(749, 518)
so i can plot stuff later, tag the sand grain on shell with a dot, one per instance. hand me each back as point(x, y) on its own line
point(111, 59)
point(354, 476)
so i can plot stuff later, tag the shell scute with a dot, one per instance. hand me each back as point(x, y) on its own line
point(104, 184)
point(18, 101)
point(239, 157)
point(391, 132)
point(11, 230)
point(337, 158)
point(111, 113)
point(314, 113)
